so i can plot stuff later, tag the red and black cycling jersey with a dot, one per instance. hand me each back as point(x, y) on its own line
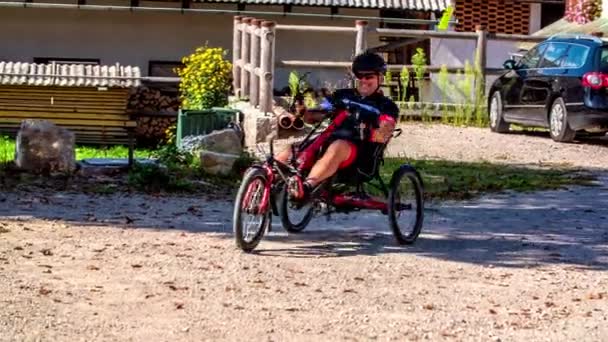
point(350, 129)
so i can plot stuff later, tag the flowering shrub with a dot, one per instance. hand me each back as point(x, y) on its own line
point(583, 11)
point(205, 79)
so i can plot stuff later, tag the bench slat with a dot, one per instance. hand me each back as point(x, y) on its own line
point(57, 100)
point(44, 110)
point(63, 90)
point(101, 129)
point(63, 115)
point(68, 99)
point(77, 122)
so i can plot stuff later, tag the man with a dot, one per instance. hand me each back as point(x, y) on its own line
point(345, 148)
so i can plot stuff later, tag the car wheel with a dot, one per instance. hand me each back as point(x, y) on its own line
point(558, 122)
point(497, 122)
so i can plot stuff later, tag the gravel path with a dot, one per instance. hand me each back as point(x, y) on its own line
point(506, 267)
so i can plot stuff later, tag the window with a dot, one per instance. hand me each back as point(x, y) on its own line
point(163, 68)
point(531, 59)
point(554, 55)
point(62, 60)
point(577, 56)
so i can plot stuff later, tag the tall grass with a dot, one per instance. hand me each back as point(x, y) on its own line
point(7, 150)
point(468, 107)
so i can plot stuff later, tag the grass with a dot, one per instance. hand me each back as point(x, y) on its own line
point(443, 179)
point(180, 172)
point(463, 180)
point(7, 151)
point(118, 151)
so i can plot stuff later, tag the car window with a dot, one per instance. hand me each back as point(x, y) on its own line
point(577, 56)
point(554, 55)
point(531, 59)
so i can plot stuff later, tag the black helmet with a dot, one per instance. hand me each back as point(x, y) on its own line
point(368, 62)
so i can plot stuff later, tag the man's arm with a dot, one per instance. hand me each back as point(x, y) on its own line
point(387, 121)
point(329, 102)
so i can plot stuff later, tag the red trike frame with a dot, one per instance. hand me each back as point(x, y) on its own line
point(302, 160)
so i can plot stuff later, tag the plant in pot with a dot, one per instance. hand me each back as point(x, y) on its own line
point(204, 87)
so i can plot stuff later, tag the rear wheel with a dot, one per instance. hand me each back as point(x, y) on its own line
point(294, 220)
point(406, 207)
point(248, 222)
point(558, 122)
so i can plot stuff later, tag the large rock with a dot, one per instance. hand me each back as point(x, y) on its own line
point(217, 163)
point(43, 147)
point(222, 141)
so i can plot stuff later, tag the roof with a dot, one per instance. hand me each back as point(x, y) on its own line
point(420, 5)
point(74, 75)
point(564, 26)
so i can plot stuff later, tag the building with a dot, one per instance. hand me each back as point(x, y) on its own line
point(565, 26)
point(155, 35)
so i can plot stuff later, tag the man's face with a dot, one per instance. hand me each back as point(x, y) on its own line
point(368, 83)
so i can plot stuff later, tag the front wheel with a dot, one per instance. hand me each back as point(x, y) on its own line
point(249, 222)
point(294, 220)
point(406, 207)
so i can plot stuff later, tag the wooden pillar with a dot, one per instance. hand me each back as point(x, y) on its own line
point(245, 54)
point(480, 63)
point(254, 80)
point(236, 56)
point(361, 40)
point(267, 65)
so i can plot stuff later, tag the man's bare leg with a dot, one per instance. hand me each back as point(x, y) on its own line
point(284, 155)
point(338, 152)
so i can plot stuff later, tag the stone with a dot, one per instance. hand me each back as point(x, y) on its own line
point(258, 128)
point(221, 141)
point(217, 163)
point(43, 147)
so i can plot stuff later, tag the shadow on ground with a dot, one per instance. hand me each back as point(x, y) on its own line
point(511, 230)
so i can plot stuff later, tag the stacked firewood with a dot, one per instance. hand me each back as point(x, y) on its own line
point(153, 128)
point(147, 100)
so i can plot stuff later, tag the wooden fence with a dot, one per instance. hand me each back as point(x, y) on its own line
point(253, 60)
point(254, 47)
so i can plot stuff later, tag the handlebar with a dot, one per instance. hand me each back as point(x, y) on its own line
point(368, 108)
point(326, 106)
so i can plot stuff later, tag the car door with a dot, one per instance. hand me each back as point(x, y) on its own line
point(514, 81)
point(541, 82)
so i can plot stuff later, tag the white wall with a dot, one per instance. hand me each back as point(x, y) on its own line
point(124, 37)
point(135, 38)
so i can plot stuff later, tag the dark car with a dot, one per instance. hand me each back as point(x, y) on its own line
point(560, 84)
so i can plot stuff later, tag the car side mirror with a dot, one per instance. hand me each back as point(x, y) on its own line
point(509, 64)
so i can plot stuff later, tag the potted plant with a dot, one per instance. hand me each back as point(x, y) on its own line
point(204, 87)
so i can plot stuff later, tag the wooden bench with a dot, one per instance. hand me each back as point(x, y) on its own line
point(95, 115)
